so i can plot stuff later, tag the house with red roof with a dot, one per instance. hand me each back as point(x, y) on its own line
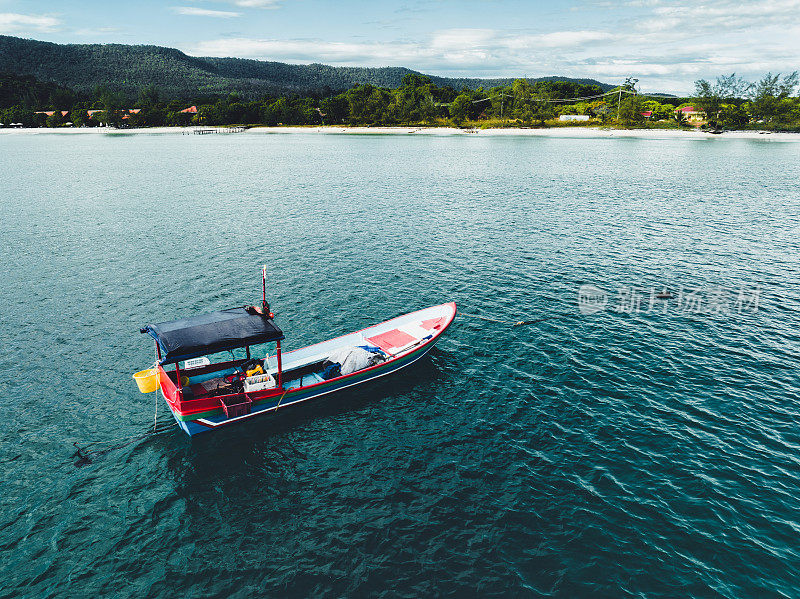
point(692, 115)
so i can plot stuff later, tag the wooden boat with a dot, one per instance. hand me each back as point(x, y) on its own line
point(205, 396)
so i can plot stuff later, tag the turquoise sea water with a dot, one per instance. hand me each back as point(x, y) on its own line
point(650, 449)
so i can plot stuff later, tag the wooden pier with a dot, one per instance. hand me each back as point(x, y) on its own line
point(237, 129)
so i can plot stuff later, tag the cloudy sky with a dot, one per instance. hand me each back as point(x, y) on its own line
point(665, 43)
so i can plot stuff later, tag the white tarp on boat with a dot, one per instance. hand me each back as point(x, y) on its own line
point(353, 359)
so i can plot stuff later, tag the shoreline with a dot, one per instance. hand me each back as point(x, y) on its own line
point(563, 132)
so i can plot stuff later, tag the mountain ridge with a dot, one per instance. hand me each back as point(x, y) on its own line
point(128, 68)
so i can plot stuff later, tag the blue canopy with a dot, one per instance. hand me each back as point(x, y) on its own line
point(210, 333)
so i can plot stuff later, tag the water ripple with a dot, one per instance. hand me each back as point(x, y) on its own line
point(652, 454)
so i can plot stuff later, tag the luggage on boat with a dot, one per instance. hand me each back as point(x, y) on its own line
point(351, 359)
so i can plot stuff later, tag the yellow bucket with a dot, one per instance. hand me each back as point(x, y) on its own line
point(147, 380)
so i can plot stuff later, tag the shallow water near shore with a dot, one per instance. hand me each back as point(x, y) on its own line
point(630, 447)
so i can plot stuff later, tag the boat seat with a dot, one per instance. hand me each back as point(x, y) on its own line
point(201, 378)
point(300, 362)
point(432, 323)
point(309, 378)
point(389, 341)
point(415, 330)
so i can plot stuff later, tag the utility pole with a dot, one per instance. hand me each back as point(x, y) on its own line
point(501, 94)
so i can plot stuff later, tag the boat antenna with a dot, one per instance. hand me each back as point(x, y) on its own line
point(264, 304)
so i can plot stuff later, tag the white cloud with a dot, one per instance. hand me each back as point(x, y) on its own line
point(205, 12)
point(90, 32)
point(311, 51)
point(566, 39)
point(17, 23)
point(256, 3)
point(729, 14)
point(666, 43)
point(462, 38)
point(463, 47)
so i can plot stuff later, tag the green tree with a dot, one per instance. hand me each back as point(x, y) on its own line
point(153, 117)
point(55, 119)
point(77, 116)
point(210, 114)
point(630, 84)
point(768, 97)
point(522, 93)
point(149, 96)
point(268, 116)
point(427, 108)
point(305, 112)
point(541, 109)
point(709, 97)
point(414, 80)
point(334, 109)
point(62, 99)
point(404, 105)
point(109, 100)
point(659, 111)
point(680, 119)
point(414, 101)
point(18, 114)
point(367, 104)
point(181, 119)
point(732, 116)
point(630, 110)
point(281, 111)
point(459, 108)
point(600, 109)
point(111, 117)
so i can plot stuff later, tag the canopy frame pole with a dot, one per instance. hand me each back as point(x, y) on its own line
point(158, 351)
point(280, 366)
point(178, 380)
point(247, 349)
point(264, 308)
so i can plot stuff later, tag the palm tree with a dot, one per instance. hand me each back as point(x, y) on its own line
point(680, 118)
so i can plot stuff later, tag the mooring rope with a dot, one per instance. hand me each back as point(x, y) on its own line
point(278, 405)
point(84, 455)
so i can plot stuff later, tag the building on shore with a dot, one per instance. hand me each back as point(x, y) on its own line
point(692, 115)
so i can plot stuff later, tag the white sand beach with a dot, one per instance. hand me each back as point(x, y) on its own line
point(565, 132)
point(98, 131)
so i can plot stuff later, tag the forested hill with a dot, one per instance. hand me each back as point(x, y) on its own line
point(128, 69)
